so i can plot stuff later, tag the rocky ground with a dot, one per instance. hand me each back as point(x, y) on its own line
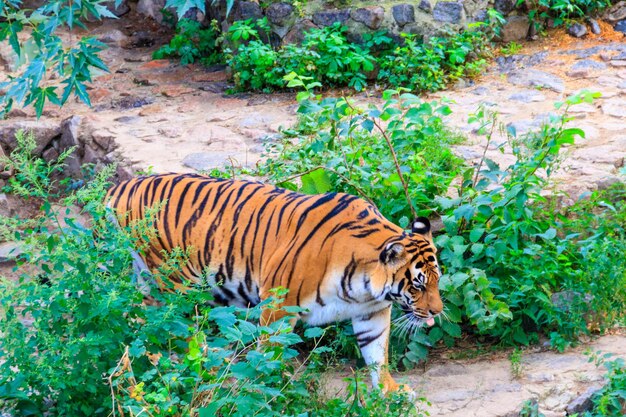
point(466, 383)
point(161, 116)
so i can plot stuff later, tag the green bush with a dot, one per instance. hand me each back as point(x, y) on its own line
point(515, 265)
point(563, 11)
point(192, 43)
point(610, 400)
point(76, 337)
point(431, 65)
point(325, 54)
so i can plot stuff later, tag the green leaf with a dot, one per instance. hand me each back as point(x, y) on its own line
point(313, 332)
point(316, 182)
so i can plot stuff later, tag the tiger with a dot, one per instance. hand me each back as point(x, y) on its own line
point(335, 253)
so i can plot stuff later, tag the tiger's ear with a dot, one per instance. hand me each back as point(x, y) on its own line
point(392, 254)
point(421, 225)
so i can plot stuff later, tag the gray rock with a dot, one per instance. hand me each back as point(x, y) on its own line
point(505, 6)
point(296, 34)
point(607, 182)
point(151, 8)
point(43, 131)
point(584, 53)
point(371, 16)
point(595, 26)
point(527, 96)
point(515, 29)
point(541, 377)
point(616, 13)
point(577, 30)
point(449, 12)
point(620, 26)
point(562, 300)
point(70, 138)
point(510, 63)
point(128, 119)
point(328, 17)
point(50, 155)
point(279, 13)
point(480, 91)
point(10, 250)
point(535, 78)
point(583, 402)
point(204, 161)
point(425, 6)
point(111, 37)
point(123, 173)
point(247, 10)
point(588, 64)
point(403, 13)
point(615, 107)
point(120, 10)
point(104, 139)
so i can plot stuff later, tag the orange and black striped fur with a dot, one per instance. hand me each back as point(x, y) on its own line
point(335, 253)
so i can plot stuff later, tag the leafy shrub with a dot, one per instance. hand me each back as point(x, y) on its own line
point(76, 338)
point(508, 253)
point(371, 151)
point(49, 69)
point(563, 11)
point(325, 54)
point(431, 65)
point(192, 43)
point(610, 400)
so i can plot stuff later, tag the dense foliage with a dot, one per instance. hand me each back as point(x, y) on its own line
point(562, 11)
point(610, 400)
point(327, 56)
point(516, 266)
point(192, 43)
point(76, 338)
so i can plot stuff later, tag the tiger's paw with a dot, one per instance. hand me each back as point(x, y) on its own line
point(390, 386)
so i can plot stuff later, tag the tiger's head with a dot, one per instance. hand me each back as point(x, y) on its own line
point(415, 284)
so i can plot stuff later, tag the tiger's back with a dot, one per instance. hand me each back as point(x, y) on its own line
point(337, 256)
point(250, 237)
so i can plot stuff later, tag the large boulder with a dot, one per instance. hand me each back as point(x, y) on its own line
point(449, 12)
point(43, 132)
point(329, 17)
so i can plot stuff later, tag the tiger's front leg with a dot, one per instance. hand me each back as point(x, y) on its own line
point(372, 335)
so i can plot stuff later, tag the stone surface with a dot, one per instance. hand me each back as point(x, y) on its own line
point(505, 6)
point(515, 29)
point(527, 96)
point(296, 33)
point(328, 17)
point(582, 403)
point(10, 250)
point(620, 26)
point(448, 12)
point(588, 64)
point(43, 132)
point(279, 14)
point(151, 8)
point(204, 161)
point(120, 10)
point(536, 78)
point(425, 6)
point(577, 30)
point(403, 13)
point(615, 107)
point(247, 10)
point(616, 13)
point(111, 37)
point(594, 26)
point(371, 16)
